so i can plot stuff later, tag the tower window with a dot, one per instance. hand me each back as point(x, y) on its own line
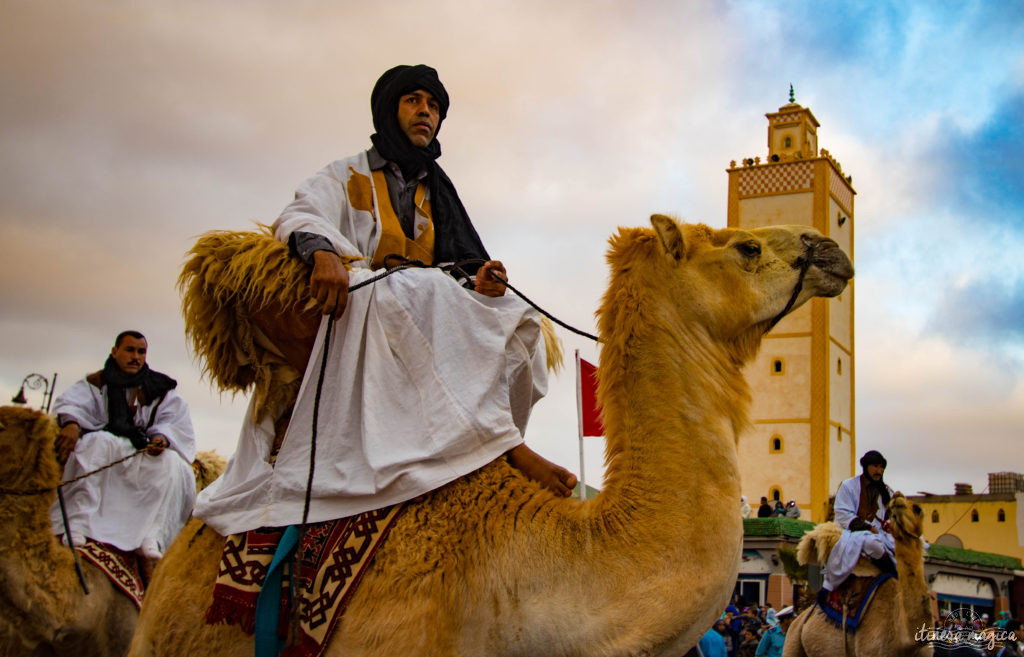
point(840, 219)
point(839, 366)
point(974, 515)
point(935, 515)
point(787, 142)
point(775, 445)
point(1000, 516)
point(778, 367)
point(839, 433)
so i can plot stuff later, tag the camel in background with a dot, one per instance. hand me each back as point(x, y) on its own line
point(900, 606)
point(43, 610)
point(492, 564)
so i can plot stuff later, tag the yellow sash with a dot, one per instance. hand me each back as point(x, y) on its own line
point(392, 239)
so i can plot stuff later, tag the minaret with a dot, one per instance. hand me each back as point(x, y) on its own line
point(802, 443)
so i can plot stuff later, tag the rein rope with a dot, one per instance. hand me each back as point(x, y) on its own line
point(459, 269)
point(39, 491)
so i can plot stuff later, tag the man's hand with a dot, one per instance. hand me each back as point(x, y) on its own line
point(490, 279)
point(329, 283)
point(67, 438)
point(157, 444)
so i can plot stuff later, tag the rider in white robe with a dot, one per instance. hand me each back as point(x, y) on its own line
point(425, 380)
point(140, 504)
point(861, 536)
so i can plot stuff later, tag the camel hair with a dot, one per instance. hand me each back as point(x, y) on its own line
point(495, 565)
point(900, 608)
point(43, 610)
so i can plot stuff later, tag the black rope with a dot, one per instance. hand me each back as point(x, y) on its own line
point(803, 265)
point(459, 268)
point(39, 491)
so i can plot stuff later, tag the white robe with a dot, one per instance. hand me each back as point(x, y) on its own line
point(425, 382)
point(851, 545)
point(144, 498)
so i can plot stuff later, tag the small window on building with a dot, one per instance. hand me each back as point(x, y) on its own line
point(839, 433)
point(935, 515)
point(775, 493)
point(778, 367)
point(787, 142)
point(1000, 516)
point(974, 515)
point(840, 219)
point(839, 366)
point(775, 445)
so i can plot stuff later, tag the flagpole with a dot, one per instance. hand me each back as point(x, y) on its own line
point(579, 423)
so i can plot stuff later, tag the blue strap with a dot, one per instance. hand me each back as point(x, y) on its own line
point(268, 603)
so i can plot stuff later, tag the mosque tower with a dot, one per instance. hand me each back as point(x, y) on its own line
point(802, 441)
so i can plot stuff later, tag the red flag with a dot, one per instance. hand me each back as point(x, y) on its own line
point(589, 409)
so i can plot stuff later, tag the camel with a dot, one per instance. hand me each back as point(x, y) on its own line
point(495, 565)
point(43, 610)
point(900, 607)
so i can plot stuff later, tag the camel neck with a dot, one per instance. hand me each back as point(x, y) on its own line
point(679, 403)
point(914, 595)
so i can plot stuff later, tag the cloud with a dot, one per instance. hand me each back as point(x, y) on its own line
point(982, 312)
point(987, 164)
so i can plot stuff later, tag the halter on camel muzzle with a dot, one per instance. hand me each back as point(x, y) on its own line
point(803, 263)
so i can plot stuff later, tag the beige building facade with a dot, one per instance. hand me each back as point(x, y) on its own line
point(803, 441)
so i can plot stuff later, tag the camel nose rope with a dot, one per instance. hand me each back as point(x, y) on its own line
point(803, 264)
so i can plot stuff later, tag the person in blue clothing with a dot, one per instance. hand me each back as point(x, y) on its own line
point(712, 644)
point(775, 637)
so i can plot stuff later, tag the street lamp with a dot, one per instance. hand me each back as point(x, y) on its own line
point(35, 382)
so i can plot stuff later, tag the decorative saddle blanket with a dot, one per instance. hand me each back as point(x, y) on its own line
point(121, 567)
point(330, 559)
point(851, 599)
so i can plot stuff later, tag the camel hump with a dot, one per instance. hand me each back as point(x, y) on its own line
point(816, 546)
point(208, 466)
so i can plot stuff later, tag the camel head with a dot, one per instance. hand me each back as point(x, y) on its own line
point(907, 520)
point(747, 278)
point(27, 458)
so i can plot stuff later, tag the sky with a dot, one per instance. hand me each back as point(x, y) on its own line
point(129, 128)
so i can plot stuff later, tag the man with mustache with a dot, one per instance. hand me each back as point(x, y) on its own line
point(427, 377)
point(139, 505)
point(860, 509)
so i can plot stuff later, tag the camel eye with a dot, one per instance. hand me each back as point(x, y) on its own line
point(749, 249)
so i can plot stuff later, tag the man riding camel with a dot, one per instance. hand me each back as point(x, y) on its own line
point(860, 509)
point(424, 379)
point(141, 504)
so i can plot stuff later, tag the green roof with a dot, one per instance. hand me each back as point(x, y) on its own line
point(790, 527)
point(973, 557)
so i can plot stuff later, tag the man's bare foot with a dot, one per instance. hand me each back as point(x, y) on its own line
point(541, 470)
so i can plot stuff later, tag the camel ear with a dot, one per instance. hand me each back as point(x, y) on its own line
point(670, 235)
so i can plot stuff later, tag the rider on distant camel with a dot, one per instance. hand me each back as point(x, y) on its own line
point(860, 508)
point(425, 381)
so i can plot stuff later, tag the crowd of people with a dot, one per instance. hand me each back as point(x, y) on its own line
point(746, 631)
point(766, 510)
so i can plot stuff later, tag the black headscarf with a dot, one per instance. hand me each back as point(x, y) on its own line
point(454, 236)
point(879, 487)
point(154, 386)
point(872, 457)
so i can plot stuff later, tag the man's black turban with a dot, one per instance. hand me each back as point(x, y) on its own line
point(872, 458)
